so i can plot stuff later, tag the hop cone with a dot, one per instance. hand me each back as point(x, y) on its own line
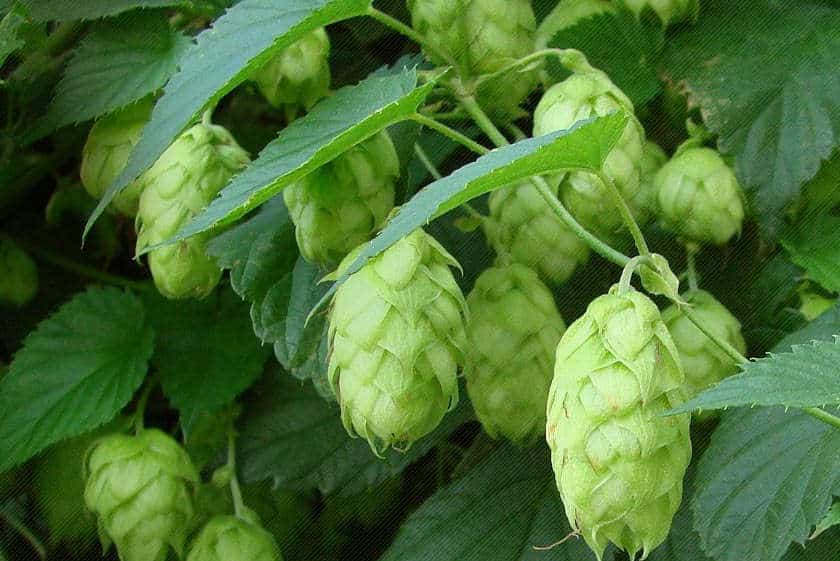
point(524, 229)
point(18, 274)
point(299, 75)
point(140, 488)
point(513, 330)
point(229, 538)
point(106, 152)
point(669, 11)
point(481, 37)
point(569, 13)
point(653, 158)
point(178, 186)
point(699, 197)
point(586, 93)
point(618, 464)
point(705, 364)
point(396, 342)
point(342, 204)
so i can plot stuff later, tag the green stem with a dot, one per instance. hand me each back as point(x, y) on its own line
point(626, 214)
point(818, 413)
point(451, 133)
point(407, 31)
point(481, 119)
point(140, 410)
point(524, 61)
point(691, 266)
point(26, 533)
point(235, 490)
point(435, 173)
point(44, 58)
point(517, 133)
point(629, 269)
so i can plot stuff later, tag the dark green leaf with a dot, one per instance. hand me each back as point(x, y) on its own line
point(66, 10)
point(9, 39)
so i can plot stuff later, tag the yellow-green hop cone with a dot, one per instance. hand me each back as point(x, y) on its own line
point(18, 275)
point(513, 330)
point(569, 13)
point(183, 181)
point(618, 464)
point(669, 11)
point(524, 229)
point(482, 37)
point(229, 538)
point(106, 152)
point(342, 204)
point(699, 197)
point(704, 363)
point(140, 488)
point(299, 75)
point(397, 342)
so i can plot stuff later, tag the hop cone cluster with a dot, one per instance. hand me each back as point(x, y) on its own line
point(299, 75)
point(18, 274)
point(524, 229)
point(699, 197)
point(183, 181)
point(587, 93)
point(669, 11)
point(229, 538)
point(705, 364)
point(140, 488)
point(106, 152)
point(481, 37)
point(396, 342)
point(342, 204)
point(569, 13)
point(513, 329)
point(618, 464)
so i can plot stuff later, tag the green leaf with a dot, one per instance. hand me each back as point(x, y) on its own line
point(67, 10)
point(122, 61)
point(75, 372)
point(832, 518)
point(9, 39)
point(336, 124)
point(767, 85)
point(242, 39)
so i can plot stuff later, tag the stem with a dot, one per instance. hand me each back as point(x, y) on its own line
point(406, 30)
point(451, 133)
point(691, 267)
point(56, 43)
point(235, 491)
point(140, 410)
point(27, 534)
point(517, 133)
point(427, 162)
point(818, 413)
point(483, 121)
point(524, 61)
point(626, 214)
point(629, 269)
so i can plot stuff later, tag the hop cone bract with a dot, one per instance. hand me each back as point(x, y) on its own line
point(513, 330)
point(140, 488)
point(229, 538)
point(183, 181)
point(396, 342)
point(342, 204)
point(618, 464)
point(569, 13)
point(669, 11)
point(18, 274)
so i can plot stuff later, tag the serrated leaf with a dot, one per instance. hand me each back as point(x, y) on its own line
point(67, 10)
point(767, 85)
point(76, 370)
point(120, 62)
point(9, 39)
point(242, 39)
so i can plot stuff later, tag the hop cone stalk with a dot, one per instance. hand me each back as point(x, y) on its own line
point(178, 186)
point(618, 464)
point(524, 229)
point(569, 13)
point(481, 37)
point(106, 152)
point(513, 329)
point(705, 364)
point(299, 75)
point(699, 197)
point(140, 488)
point(229, 538)
point(669, 11)
point(342, 204)
point(18, 274)
point(396, 342)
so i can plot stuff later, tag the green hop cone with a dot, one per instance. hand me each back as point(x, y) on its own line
point(513, 330)
point(18, 274)
point(569, 13)
point(299, 75)
point(106, 152)
point(481, 37)
point(618, 464)
point(140, 488)
point(653, 158)
point(588, 92)
point(524, 229)
point(397, 341)
point(668, 11)
point(230, 538)
point(342, 204)
point(705, 364)
point(699, 197)
point(183, 181)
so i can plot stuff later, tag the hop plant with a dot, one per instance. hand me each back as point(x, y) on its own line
point(18, 274)
point(513, 329)
point(106, 152)
point(569, 13)
point(299, 75)
point(397, 340)
point(342, 204)
point(699, 197)
point(481, 37)
point(588, 93)
point(523, 229)
point(618, 464)
point(178, 186)
point(231, 538)
point(669, 11)
point(705, 364)
point(140, 488)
